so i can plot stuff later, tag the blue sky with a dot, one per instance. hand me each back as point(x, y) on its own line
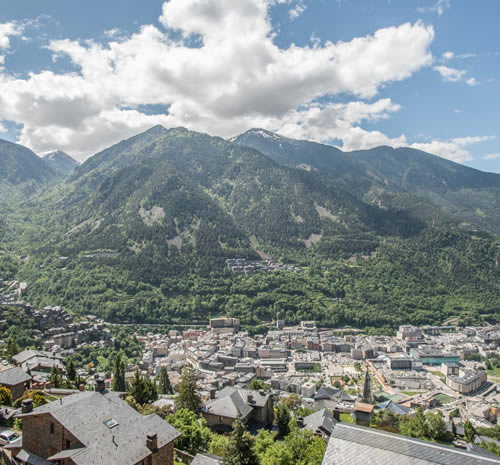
point(82, 75)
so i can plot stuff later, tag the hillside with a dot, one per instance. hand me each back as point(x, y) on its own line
point(140, 233)
point(60, 162)
point(425, 185)
point(22, 171)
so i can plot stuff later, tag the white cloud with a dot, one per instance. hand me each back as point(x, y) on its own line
point(492, 156)
point(439, 7)
point(447, 56)
point(454, 149)
point(223, 75)
point(449, 74)
point(8, 30)
point(297, 10)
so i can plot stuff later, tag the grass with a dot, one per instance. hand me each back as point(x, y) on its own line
point(445, 399)
point(412, 393)
point(495, 371)
point(346, 418)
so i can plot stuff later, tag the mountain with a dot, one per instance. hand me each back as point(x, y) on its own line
point(425, 185)
point(21, 170)
point(169, 191)
point(140, 232)
point(60, 162)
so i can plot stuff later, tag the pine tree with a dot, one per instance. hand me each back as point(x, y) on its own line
point(12, 348)
point(240, 450)
point(188, 396)
point(282, 419)
point(469, 430)
point(55, 378)
point(119, 374)
point(139, 388)
point(165, 385)
point(71, 370)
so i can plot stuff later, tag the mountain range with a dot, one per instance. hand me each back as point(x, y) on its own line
point(60, 162)
point(384, 231)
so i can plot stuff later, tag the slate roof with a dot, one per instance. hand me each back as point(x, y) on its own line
point(25, 355)
point(329, 393)
point(206, 459)
point(356, 445)
point(393, 407)
point(231, 402)
point(84, 414)
point(31, 459)
point(320, 421)
point(13, 377)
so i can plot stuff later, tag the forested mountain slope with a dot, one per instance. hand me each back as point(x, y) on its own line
point(140, 233)
point(21, 170)
point(423, 184)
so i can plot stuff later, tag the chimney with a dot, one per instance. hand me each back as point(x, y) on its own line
point(250, 398)
point(336, 414)
point(213, 391)
point(26, 406)
point(152, 442)
point(81, 387)
point(300, 422)
point(100, 385)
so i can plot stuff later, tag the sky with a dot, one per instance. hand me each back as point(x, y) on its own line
point(81, 75)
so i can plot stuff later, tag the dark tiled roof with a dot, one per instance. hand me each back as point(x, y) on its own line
point(13, 376)
point(357, 445)
point(393, 407)
point(320, 421)
point(206, 459)
point(84, 415)
point(231, 402)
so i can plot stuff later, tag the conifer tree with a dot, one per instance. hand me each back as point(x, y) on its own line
point(282, 419)
point(188, 396)
point(119, 374)
point(71, 370)
point(165, 384)
point(240, 450)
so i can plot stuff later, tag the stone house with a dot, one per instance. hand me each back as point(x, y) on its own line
point(94, 427)
point(15, 380)
point(254, 407)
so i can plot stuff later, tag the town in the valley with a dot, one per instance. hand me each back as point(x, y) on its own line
point(340, 381)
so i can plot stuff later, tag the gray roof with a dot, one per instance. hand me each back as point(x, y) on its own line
point(31, 459)
point(353, 445)
point(84, 414)
point(206, 459)
point(320, 421)
point(329, 393)
point(393, 407)
point(13, 376)
point(231, 402)
point(25, 355)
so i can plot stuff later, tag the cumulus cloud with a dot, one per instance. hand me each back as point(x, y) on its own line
point(454, 149)
point(217, 69)
point(8, 30)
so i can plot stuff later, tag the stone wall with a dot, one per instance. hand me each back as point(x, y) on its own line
point(38, 438)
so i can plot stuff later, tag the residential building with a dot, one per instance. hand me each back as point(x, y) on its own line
point(94, 427)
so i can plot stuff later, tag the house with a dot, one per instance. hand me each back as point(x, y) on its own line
point(15, 380)
point(94, 427)
point(206, 459)
point(363, 413)
point(357, 445)
point(396, 409)
point(254, 407)
point(328, 397)
point(321, 422)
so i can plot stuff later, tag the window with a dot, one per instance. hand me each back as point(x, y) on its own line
point(68, 444)
point(111, 423)
point(52, 428)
